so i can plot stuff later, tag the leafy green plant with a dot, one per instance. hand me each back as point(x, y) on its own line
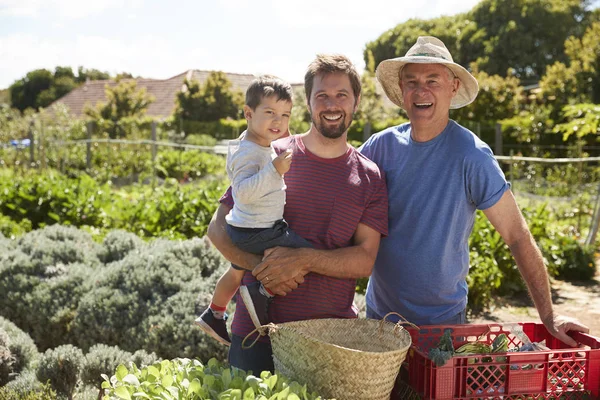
point(183, 379)
point(171, 210)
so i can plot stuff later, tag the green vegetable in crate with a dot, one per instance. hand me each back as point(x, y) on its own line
point(500, 344)
point(444, 350)
point(474, 348)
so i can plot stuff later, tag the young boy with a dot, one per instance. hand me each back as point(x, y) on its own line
point(256, 221)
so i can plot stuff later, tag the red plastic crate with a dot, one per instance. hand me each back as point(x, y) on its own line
point(559, 373)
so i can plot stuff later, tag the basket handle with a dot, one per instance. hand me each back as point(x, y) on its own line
point(398, 326)
point(262, 331)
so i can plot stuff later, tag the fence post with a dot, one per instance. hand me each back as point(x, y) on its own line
point(31, 144)
point(511, 170)
point(41, 147)
point(88, 145)
point(498, 141)
point(153, 133)
point(153, 126)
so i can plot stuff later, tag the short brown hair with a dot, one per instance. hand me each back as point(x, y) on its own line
point(329, 64)
point(266, 86)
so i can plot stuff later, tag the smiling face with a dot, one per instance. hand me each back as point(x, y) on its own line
point(332, 104)
point(268, 121)
point(427, 91)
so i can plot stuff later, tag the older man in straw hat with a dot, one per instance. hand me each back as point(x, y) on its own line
point(438, 174)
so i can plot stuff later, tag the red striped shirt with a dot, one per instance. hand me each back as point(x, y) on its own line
point(326, 199)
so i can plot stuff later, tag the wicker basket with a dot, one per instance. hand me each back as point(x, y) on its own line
point(341, 358)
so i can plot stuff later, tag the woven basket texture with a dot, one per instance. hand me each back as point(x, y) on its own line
point(341, 358)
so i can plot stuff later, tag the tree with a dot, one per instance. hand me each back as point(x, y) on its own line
point(395, 42)
point(576, 81)
point(498, 98)
point(525, 35)
point(91, 74)
point(516, 34)
point(24, 92)
point(208, 102)
point(4, 96)
point(124, 101)
point(39, 88)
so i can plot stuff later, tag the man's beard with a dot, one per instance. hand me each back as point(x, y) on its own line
point(331, 131)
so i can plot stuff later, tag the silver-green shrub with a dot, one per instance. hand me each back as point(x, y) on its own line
point(117, 244)
point(148, 300)
point(21, 347)
point(61, 367)
point(7, 360)
point(102, 359)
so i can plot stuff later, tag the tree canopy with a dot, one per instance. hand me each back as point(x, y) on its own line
point(124, 101)
point(210, 101)
point(524, 36)
point(41, 87)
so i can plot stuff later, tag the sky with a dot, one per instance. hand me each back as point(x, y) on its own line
point(160, 39)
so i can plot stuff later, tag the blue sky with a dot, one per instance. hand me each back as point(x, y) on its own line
point(160, 39)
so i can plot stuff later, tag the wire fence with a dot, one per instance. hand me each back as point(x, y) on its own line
point(559, 181)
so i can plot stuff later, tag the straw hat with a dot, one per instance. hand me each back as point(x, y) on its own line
point(427, 50)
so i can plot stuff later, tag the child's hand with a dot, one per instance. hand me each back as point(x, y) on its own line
point(283, 162)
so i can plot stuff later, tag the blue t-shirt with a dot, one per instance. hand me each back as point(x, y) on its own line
point(434, 189)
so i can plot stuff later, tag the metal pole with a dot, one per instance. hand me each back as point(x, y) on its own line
point(591, 238)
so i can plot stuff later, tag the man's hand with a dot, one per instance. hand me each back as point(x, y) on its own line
point(281, 268)
point(283, 162)
point(559, 325)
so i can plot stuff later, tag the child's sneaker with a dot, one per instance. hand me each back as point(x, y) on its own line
point(256, 303)
point(213, 326)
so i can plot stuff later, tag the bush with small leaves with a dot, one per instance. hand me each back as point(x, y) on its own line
point(24, 383)
point(42, 279)
point(21, 346)
point(142, 358)
point(117, 244)
point(102, 359)
point(62, 368)
point(7, 360)
point(42, 392)
point(131, 300)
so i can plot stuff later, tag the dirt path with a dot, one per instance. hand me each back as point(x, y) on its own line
point(578, 300)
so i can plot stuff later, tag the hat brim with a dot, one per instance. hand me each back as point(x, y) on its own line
point(388, 75)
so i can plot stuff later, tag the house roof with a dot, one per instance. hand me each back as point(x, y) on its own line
point(163, 90)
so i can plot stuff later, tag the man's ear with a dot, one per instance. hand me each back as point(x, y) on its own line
point(248, 112)
point(456, 86)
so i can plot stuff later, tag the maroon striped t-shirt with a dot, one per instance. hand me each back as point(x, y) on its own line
point(325, 201)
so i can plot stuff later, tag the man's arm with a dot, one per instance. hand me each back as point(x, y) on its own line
point(509, 222)
point(281, 264)
point(220, 239)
